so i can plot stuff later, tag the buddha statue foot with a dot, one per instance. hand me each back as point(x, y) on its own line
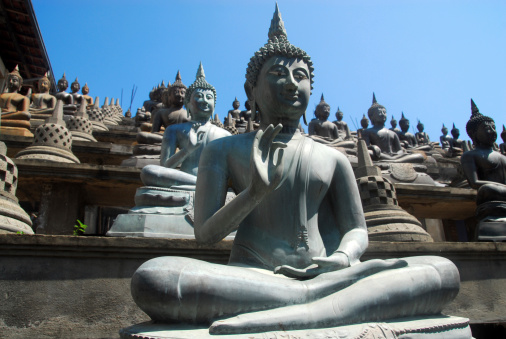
point(430, 327)
point(159, 212)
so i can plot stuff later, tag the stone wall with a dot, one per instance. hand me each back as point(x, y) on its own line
point(75, 287)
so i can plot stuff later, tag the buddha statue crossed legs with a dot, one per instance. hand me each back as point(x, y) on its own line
point(15, 118)
point(315, 252)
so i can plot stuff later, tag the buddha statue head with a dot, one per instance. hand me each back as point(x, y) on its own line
point(322, 110)
point(393, 122)
point(159, 91)
point(480, 128)
point(339, 114)
point(455, 132)
point(75, 86)
point(200, 98)
point(404, 123)
point(364, 122)
point(377, 113)
point(420, 126)
point(444, 130)
point(236, 104)
point(152, 94)
point(177, 92)
point(63, 84)
point(85, 89)
point(279, 78)
point(503, 134)
point(14, 80)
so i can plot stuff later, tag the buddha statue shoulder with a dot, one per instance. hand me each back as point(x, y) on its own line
point(300, 227)
point(14, 106)
point(320, 126)
point(43, 103)
point(384, 143)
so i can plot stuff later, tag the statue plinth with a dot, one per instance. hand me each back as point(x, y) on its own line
point(7, 130)
point(492, 221)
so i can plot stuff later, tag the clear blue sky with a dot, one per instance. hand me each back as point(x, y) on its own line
point(425, 58)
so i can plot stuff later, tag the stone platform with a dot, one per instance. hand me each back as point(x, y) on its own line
point(441, 327)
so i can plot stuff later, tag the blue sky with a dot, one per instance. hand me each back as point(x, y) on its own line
point(425, 58)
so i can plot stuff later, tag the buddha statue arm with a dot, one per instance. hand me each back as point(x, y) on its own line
point(157, 123)
point(471, 171)
point(213, 223)
point(169, 145)
point(348, 133)
point(311, 129)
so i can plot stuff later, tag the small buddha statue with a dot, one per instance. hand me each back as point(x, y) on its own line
point(364, 122)
point(85, 90)
point(15, 118)
point(457, 144)
point(148, 104)
point(445, 139)
point(320, 126)
point(407, 139)
point(485, 170)
point(342, 127)
point(393, 123)
point(61, 94)
point(236, 112)
point(384, 143)
point(43, 103)
point(246, 114)
point(74, 88)
point(172, 111)
point(422, 137)
point(502, 147)
point(295, 261)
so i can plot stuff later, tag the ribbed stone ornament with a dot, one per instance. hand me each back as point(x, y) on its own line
point(96, 117)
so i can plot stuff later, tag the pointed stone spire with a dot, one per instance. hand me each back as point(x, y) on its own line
point(503, 128)
point(57, 117)
point(112, 102)
point(322, 99)
point(200, 72)
point(374, 98)
point(64, 77)
point(117, 101)
point(106, 102)
point(82, 110)
point(453, 126)
point(96, 105)
point(277, 28)
point(365, 166)
point(178, 76)
point(162, 85)
point(178, 82)
point(474, 109)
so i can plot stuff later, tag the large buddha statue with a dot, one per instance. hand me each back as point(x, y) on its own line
point(173, 111)
point(342, 127)
point(85, 90)
point(485, 170)
point(422, 137)
point(384, 143)
point(295, 261)
point(15, 118)
point(43, 103)
point(320, 126)
point(445, 140)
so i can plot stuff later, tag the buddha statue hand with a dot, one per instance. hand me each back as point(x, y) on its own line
point(195, 138)
point(265, 173)
point(337, 261)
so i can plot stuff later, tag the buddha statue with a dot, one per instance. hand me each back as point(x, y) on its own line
point(15, 118)
point(407, 139)
point(445, 140)
point(69, 107)
point(364, 122)
point(43, 103)
point(151, 103)
point(422, 137)
point(246, 114)
point(383, 143)
point(342, 127)
point(85, 90)
point(485, 170)
point(320, 126)
point(458, 145)
point(393, 123)
point(502, 147)
point(74, 88)
point(167, 197)
point(236, 112)
point(172, 111)
point(300, 226)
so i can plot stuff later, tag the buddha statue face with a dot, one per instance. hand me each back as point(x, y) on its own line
point(486, 134)
point(420, 127)
point(323, 112)
point(456, 133)
point(63, 85)
point(378, 115)
point(339, 115)
point(85, 90)
point(236, 105)
point(43, 85)
point(13, 83)
point(177, 95)
point(364, 122)
point(283, 88)
point(393, 123)
point(404, 124)
point(75, 86)
point(444, 130)
point(201, 104)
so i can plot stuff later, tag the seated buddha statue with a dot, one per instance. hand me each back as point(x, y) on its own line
point(364, 122)
point(286, 270)
point(189, 137)
point(384, 143)
point(502, 147)
point(69, 107)
point(246, 114)
point(43, 103)
point(148, 104)
point(422, 137)
point(445, 140)
point(236, 118)
point(172, 111)
point(409, 140)
point(485, 168)
point(342, 127)
point(85, 90)
point(74, 88)
point(15, 118)
point(320, 126)
point(393, 123)
point(458, 146)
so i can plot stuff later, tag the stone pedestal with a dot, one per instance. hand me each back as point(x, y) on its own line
point(492, 221)
point(23, 132)
point(436, 327)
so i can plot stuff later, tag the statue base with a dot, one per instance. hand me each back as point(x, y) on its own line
point(412, 328)
point(492, 224)
point(19, 131)
point(47, 153)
